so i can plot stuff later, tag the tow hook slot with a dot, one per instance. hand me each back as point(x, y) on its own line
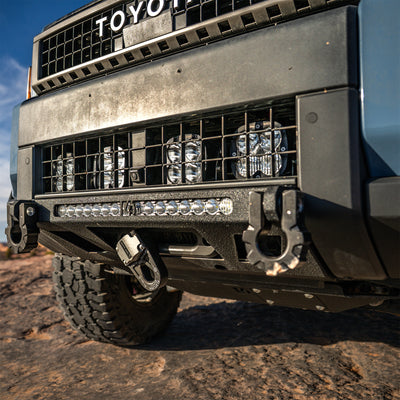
point(296, 237)
point(145, 265)
point(21, 231)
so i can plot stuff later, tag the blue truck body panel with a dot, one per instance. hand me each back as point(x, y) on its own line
point(379, 29)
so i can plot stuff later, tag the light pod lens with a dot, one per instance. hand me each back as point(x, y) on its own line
point(175, 173)
point(96, 210)
point(148, 208)
point(108, 168)
point(193, 172)
point(70, 211)
point(174, 151)
point(226, 206)
point(69, 169)
point(115, 210)
point(198, 207)
point(159, 208)
point(121, 166)
point(184, 207)
point(62, 211)
point(105, 210)
point(193, 151)
point(87, 211)
point(172, 208)
point(212, 206)
point(78, 211)
point(59, 174)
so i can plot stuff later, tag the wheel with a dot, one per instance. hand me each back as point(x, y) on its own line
point(108, 307)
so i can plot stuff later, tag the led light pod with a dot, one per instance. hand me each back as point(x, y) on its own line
point(188, 151)
point(258, 157)
point(226, 206)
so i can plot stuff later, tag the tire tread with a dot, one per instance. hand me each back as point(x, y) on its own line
point(92, 303)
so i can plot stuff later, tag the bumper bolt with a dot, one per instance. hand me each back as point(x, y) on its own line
point(30, 211)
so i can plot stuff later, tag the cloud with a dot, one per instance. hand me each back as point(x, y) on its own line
point(13, 77)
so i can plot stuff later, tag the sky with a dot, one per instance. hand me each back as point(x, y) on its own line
point(20, 22)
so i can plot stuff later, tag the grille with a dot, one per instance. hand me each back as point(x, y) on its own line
point(195, 11)
point(81, 42)
point(232, 146)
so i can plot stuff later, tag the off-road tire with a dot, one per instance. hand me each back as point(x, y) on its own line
point(101, 305)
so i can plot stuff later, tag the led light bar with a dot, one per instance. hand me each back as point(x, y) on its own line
point(148, 208)
point(89, 210)
point(185, 207)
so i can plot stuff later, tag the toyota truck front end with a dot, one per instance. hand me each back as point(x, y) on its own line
point(232, 148)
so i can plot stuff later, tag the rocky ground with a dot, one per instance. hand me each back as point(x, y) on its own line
point(214, 349)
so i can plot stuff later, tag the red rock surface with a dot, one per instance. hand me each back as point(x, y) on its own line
point(214, 349)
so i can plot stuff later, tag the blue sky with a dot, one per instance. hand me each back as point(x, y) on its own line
point(20, 21)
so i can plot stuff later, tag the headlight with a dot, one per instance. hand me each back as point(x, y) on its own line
point(255, 148)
